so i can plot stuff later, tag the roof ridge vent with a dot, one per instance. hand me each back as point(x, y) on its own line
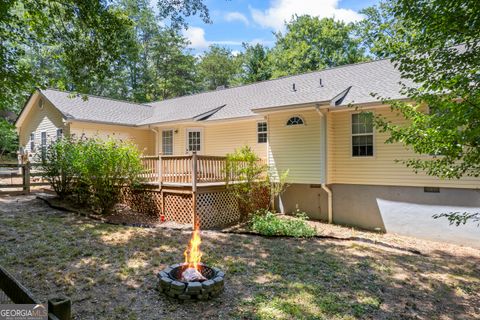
point(221, 87)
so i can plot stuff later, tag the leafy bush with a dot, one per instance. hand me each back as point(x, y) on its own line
point(58, 166)
point(249, 180)
point(8, 138)
point(93, 170)
point(104, 167)
point(270, 224)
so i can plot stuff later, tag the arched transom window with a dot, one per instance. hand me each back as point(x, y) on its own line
point(295, 121)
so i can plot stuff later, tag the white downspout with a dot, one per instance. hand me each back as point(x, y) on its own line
point(157, 139)
point(324, 164)
point(330, 199)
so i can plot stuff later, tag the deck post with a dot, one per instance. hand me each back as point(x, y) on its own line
point(194, 188)
point(159, 170)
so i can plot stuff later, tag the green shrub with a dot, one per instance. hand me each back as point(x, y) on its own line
point(58, 166)
point(249, 180)
point(104, 167)
point(93, 170)
point(270, 224)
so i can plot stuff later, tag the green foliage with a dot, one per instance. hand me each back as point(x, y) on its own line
point(247, 180)
point(59, 166)
point(250, 181)
point(435, 45)
point(217, 67)
point(93, 170)
point(89, 46)
point(447, 82)
point(254, 63)
point(104, 167)
point(270, 224)
point(174, 70)
point(458, 218)
point(310, 44)
point(8, 138)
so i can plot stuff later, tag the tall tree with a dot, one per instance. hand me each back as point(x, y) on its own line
point(310, 43)
point(254, 63)
point(435, 44)
point(218, 67)
point(87, 42)
point(174, 67)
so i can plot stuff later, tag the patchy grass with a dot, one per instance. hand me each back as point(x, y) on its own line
point(109, 272)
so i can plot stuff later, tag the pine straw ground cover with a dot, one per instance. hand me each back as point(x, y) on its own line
point(109, 272)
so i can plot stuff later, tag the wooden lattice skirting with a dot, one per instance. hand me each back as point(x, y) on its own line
point(215, 208)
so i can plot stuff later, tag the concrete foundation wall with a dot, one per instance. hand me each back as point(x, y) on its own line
point(407, 211)
point(394, 209)
point(311, 199)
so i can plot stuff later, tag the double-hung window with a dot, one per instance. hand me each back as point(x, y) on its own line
point(261, 132)
point(194, 140)
point(167, 142)
point(362, 134)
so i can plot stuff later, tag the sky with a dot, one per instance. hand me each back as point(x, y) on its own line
point(237, 21)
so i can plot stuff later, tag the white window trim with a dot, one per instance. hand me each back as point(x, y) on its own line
point(202, 139)
point(46, 138)
point(295, 125)
point(262, 121)
point(173, 139)
point(373, 156)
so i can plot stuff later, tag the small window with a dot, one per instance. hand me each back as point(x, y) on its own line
point(32, 142)
point(194, 141)
point(59, 133)
point(261, 132)
point(40, 104)
point(362, 134)
point(295, 121)
point(167, 142)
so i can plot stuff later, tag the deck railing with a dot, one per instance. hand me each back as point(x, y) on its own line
point(185, 169)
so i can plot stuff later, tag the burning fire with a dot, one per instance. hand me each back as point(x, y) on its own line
point(193, 256)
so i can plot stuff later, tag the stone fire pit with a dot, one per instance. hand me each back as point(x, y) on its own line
point(171, 283)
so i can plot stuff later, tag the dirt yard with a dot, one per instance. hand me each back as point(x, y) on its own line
point(110, 271)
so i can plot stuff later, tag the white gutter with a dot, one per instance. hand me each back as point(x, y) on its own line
point(324, 164)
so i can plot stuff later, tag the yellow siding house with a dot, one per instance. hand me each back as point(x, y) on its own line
point(340, 169)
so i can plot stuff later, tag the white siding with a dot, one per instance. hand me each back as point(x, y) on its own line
point(47, 119)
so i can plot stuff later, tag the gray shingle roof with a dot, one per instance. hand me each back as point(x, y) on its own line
point(361, 79)
point(98, 109)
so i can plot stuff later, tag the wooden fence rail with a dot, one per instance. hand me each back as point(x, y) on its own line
point(58, 308)
point(28, 173)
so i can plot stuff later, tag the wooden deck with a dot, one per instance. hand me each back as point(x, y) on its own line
point(185, 171)
point(187, 189)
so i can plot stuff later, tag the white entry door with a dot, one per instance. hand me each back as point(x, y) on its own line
point(194, 140)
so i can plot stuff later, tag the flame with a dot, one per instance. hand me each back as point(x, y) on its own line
point(192, 254)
